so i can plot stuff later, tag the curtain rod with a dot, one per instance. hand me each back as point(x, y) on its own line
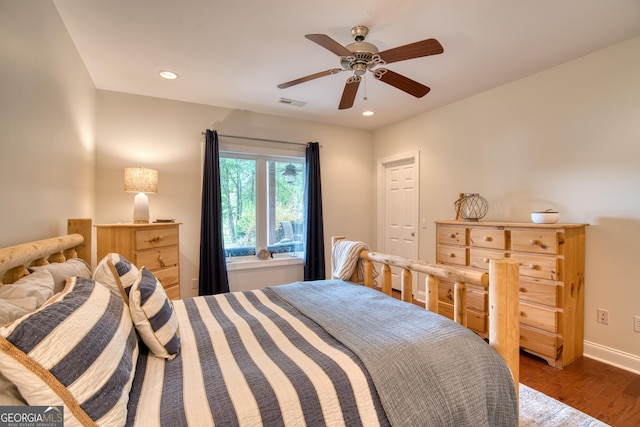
point(259, 139)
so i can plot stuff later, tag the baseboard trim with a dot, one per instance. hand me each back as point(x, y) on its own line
point(611, 356)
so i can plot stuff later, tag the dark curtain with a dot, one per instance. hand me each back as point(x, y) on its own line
point(314, 239)
point(213, 269)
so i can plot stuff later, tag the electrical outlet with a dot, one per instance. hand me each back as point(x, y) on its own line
point(194, 283)
point(603, 316)
point(636, 323)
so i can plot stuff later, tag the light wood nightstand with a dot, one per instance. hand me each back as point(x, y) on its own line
point(154, 246)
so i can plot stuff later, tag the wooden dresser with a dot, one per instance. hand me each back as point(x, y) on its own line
point(154, 246)
point(551, 258)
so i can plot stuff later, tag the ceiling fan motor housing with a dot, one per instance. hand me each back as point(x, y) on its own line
point(362, 59)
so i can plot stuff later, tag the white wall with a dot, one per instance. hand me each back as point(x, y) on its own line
point(47, 123)
point(166, 135)
point(567, 138)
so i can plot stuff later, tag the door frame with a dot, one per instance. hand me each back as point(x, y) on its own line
point(382, 164)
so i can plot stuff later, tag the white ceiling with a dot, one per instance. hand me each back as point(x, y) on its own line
point(234, 53)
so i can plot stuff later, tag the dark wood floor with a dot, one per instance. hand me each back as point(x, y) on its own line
point(605, 392)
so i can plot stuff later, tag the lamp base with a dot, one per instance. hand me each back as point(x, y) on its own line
point(141, 209)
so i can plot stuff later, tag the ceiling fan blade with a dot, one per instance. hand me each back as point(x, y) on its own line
point(401, 82)
point(309, 77)
point(330, 44)
point(412, 50)
point(349, 93)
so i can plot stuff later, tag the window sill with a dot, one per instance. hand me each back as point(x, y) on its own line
point(250, 263)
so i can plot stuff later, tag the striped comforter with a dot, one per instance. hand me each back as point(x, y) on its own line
point(250, 359)
point(265, 357)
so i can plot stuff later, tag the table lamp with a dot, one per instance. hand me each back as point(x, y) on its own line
point(141, 181)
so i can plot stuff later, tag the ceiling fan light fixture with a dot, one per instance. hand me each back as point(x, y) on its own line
point(359, 69)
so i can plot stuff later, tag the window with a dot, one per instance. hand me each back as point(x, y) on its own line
point(262, 203)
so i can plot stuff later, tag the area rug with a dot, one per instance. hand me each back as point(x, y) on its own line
point(538, 409)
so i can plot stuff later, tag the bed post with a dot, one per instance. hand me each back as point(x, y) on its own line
point(504, 327)
point(81, 226)
point(431, 284)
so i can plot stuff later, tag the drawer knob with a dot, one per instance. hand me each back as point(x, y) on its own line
point(453, 236)
point(534, 242)
point(486, 260)
point(488, 238)
point(523, 290)
point(523, 314)
point(161, 261)
point(534, 267)
point(157, 239)
point(452, 255)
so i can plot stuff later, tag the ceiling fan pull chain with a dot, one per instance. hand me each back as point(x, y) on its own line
point(365, 88)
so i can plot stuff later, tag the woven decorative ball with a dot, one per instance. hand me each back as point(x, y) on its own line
point(471, 207)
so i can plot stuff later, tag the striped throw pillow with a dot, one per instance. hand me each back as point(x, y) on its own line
point(117, 273)
point(153, 315)
point(78, 350)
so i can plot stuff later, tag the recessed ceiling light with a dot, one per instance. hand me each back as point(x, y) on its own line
point(367, 113)
point(169, 75)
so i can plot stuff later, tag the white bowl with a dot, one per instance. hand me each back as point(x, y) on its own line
point(547, 217)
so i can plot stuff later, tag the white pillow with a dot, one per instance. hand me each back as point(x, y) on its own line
point(39, 285)
point(153, 315)
point(78, 350)
point(9, 394)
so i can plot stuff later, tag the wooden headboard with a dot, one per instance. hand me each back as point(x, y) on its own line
point(14, 260)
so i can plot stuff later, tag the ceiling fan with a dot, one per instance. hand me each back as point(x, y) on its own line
point(361, 56)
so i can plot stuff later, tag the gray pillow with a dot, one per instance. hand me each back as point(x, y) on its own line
point(38, 285)
point(74, 267)
point(13, 309)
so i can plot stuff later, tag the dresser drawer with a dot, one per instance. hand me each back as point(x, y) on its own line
point(535, 241)
point(173, 292)
point(155, 238)
point(487, 238)
point(168, 276)
point(155, 259)
point(539, 342)
point(542, 267)
point(539, 317)
point(479, 258)
point(477, 298)
point(450, 235)
point(540, 293)
point(452, 255)
point(475, 320)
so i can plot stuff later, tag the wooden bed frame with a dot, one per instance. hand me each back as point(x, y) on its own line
point(501, 281)
point(14, 260)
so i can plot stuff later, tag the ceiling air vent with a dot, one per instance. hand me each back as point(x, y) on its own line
point(292, 102)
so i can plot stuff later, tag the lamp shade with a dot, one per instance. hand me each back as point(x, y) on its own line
point(140, 180)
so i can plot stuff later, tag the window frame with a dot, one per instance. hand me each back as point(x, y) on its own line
point(261, 155)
